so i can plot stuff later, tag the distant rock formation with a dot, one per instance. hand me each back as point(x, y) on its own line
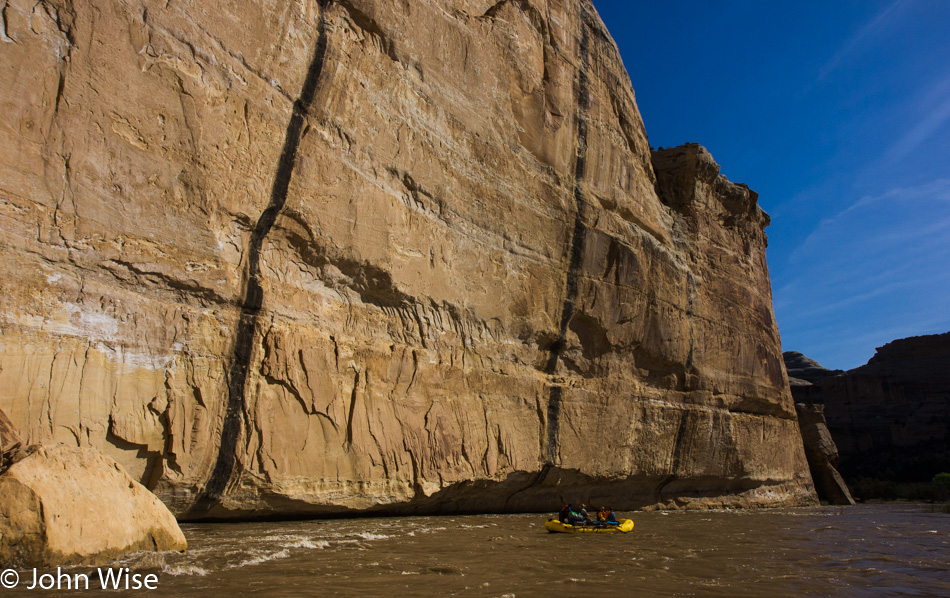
point(820, 448)
point(293, 259)
point(890, 418)
point(822, 455)
point(802, 369)
point(63, 506)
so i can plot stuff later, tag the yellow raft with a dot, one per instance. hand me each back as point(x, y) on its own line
point(623, 526)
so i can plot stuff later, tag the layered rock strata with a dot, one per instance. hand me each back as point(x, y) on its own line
point(63, 505)
point(891, 417)
point(354, 256)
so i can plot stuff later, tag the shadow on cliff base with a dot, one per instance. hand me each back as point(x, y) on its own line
point(539, 492)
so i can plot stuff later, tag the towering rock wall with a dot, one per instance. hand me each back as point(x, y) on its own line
point(314, 257)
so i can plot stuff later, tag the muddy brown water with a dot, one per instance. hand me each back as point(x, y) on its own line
point(867, 550)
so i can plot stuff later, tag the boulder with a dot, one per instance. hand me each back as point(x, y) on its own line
point(63, 505)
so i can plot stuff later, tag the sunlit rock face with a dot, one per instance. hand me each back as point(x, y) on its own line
point(63, 505)
point(294, 258)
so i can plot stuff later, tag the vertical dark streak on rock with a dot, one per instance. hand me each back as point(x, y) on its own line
point(3, 25)
point(234, 418)
point(577, 246)
point(349, 419)
point(690, 314)
point(677, 456)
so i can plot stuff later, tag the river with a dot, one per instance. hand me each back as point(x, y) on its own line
point(866, 550)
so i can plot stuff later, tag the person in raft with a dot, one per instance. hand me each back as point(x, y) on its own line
point(569, 515)
point(605, 517)
point(585, 515)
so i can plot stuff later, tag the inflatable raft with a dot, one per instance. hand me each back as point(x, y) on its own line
point(555, 526)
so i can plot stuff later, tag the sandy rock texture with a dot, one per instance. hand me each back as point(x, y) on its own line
point(63, 505)
point(300, 258)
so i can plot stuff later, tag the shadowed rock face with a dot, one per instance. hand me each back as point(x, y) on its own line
point(822, 455)
point(355, 256)
point(804, 376)
point(891, 417)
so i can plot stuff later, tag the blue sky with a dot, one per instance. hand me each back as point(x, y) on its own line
point(838, 115)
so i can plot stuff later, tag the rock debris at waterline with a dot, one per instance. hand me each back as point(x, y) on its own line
point(354, 256)
point(62, 505)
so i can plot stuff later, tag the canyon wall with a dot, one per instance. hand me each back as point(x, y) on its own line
point(890, 418)
point(305, 258)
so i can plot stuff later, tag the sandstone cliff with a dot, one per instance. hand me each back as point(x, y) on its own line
point(891, 417)
point(303, 258)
